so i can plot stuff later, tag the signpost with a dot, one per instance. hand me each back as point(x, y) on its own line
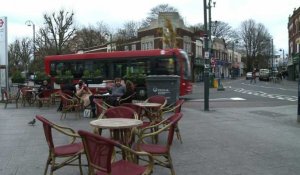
point(3, 54)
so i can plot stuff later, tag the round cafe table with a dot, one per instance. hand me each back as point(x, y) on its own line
point(120, 127)
point(150, 110)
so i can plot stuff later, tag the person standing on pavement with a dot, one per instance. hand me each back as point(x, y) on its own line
point(253, 76)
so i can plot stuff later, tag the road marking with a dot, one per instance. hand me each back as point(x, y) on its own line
point(222, 99)
point(268, 87)
point(266, 95)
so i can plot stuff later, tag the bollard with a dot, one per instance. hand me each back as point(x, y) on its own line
point(220, 86)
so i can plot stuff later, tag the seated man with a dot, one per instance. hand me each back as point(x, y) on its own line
point(44, 86)
point(116, 91)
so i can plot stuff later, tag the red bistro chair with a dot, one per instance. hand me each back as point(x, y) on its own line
point(119, 112)
point(99, 153)
point(100, 106)
point(175, 108)
point(69, 152)
point(44, 97)
point(161, 153)
point(11, 98)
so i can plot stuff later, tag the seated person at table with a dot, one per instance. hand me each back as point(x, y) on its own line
point(129, 91)
point(116, 91)
point(44, 86)
point(86, 96)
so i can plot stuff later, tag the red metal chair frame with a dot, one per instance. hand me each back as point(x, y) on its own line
point(156, 150)
point(175, 108)
point(99, 153)
point(10, 98)
point(70, 152)
point(45, 97)
point(100, 106)
point(69, 104)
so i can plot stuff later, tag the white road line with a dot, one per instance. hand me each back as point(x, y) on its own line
point(222, 99)
point(263, 94)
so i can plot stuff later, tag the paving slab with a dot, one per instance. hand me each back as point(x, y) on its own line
point(224, 141)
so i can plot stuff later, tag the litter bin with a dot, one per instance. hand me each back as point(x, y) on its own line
point(166, 85)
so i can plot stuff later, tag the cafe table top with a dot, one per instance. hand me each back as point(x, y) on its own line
point(116, 123)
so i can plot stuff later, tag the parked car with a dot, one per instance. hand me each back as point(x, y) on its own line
point(249, 76)
point(264, 74)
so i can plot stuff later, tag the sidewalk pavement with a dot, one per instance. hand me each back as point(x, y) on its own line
point(224, 141)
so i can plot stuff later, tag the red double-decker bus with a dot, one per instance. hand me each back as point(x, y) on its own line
point(133, 65)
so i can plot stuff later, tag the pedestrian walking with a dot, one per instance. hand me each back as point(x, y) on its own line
point(253, 76)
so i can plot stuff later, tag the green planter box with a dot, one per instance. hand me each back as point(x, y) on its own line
point(63, 80)
point(18, 80)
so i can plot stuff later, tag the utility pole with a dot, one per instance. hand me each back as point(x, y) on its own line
point(272, 60)
point(298, 113)
point(207, 61)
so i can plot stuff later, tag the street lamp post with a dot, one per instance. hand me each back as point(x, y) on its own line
point(233, 45)
point(298, 111)
point(283, 60)
point(30, 23)
point(207, 61)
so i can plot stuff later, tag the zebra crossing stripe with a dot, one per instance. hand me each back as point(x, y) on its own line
point(263, 94)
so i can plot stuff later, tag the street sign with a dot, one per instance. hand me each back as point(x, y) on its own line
point(206, 55)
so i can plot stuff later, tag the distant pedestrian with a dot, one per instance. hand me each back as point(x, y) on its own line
point(253, 79)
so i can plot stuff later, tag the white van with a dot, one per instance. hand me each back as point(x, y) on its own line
point(264, 74)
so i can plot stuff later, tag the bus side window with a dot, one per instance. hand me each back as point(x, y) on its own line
point(53, 69)
point(165, 66)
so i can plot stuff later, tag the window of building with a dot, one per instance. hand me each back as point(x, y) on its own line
point(126, 48)
point(133, 47)
point(147, 43)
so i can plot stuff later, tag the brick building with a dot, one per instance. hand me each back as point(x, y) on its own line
point(294, 44)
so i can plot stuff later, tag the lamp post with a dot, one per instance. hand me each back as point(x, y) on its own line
point(30, 23)
point(272, 57)
point(209, 20)
point(298, 111)
point(233, 45)
point(206, 63)
point(207, 55)
point(283, 60)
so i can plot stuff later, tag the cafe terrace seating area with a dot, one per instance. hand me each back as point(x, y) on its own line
point(130, 138)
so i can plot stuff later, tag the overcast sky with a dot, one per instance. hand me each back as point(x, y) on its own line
point(272, 13)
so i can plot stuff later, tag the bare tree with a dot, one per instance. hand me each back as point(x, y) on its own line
point(219, 29)
point(254, 38)
point(19, 53)
point(125, 34)
point(58, 31)
point(91, 36)
point(154, 12)
point(223, 30)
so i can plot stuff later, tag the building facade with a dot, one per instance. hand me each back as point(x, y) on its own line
point(294, 44)
point(223, 63)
